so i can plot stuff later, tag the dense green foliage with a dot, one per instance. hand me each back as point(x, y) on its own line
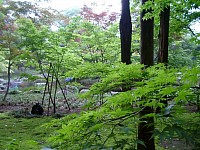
point(87, 46)
point(112, 121)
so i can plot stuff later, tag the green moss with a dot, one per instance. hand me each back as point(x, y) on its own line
point(23, 133)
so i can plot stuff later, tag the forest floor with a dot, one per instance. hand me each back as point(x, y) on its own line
point(19, 128)
point(22, 127)
point(20, 101)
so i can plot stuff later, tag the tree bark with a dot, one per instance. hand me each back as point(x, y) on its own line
point(146, 125)
point(163, 42)
point(125, 32)
point(145, 130)
point(163, 36)
point(9, 76)
point(146, 36)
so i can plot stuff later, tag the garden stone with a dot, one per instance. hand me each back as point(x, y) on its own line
point(84, 90)
point(37, 109)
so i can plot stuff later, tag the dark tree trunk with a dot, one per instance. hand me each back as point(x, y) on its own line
point(9, 76)
point(146, 39)
point(163, 35)
point(145, 130)
point(146, 125)
point(125, 32)
point(163, 41)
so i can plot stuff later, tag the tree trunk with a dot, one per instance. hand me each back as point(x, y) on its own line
point(145, 130)
point(163, 42)
point(163, 35)
point(146, 37)
point(8, 84)
point(125, 32)
point(146, 125)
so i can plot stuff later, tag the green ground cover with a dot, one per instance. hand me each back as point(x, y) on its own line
point(23, 133)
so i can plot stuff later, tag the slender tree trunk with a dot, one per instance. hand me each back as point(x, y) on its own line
point(163, 35)
point(54, 98)
point(63, 93)
point(47, 82)
point(125, 32)
point(146, 125)
point(9, 76)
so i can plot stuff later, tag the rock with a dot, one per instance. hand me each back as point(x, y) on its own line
point(84, 90)
point(46, 148)
point(37, 109)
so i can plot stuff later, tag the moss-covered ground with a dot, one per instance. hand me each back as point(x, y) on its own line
point(19, 130)
point(23, 133)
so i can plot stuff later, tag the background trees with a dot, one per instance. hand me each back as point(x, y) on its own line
point(10, 40)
